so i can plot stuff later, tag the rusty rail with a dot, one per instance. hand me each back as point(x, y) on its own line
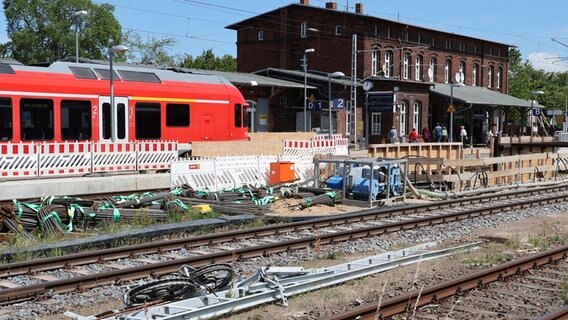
point(433, 294)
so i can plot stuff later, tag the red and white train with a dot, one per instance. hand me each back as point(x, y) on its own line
point(69, 101)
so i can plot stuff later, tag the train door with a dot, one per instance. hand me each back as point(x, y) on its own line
point(113, 128)
point(206, 127)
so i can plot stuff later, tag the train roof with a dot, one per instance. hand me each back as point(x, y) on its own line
point(101, 70)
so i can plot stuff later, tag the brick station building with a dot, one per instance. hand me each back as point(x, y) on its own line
point(421, 70)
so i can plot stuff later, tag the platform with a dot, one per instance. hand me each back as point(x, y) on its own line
point(36, 188)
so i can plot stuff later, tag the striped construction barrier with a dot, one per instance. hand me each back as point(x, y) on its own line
point(51, 159)
point(18, 160)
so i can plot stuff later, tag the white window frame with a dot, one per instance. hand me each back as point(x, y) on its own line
point(387, 64)
point(376, 119)
point(433, 65)
point(447, 71)
point(374, 61)
point(405, 67)
point(462, 71)
point(498, 78)
point(474, 72)
point(416, 116)
point(304, 30)
point(260, 35)
point(418, 68)
point(402, 106)
point(490, 77)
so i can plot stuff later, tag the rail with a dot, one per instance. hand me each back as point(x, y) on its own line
point(16, 294)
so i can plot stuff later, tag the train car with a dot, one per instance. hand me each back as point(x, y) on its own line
point(69, 101)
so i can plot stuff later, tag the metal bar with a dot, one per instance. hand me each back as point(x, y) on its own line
point(204, 307)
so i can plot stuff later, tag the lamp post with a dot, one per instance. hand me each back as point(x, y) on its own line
point(451, 107)
point(305, 65)
point(533, 94)
point(111, 51)
point(76, 16)
point(336, 74)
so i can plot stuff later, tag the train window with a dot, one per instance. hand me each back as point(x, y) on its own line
point(83, 73)
point(6, 69)
point(75, 120)
point(138, 76)
point(177, 115)
point(104, 74)
point(5, 119)
point(148, 121)
point(36, 119)
point(107, 129)
point(121, 119)
point(238, 115)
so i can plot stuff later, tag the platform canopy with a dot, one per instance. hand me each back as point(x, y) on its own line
point(479, 96)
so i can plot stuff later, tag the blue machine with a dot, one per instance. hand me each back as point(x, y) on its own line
point(335, 182)
point(378, 183)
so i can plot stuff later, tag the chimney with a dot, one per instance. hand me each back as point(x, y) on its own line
point(305, 2)
point(359, 8)
point(331, 5)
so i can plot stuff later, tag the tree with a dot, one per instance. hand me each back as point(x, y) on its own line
point(208, 61)
point(152, 51)
point(44, 30)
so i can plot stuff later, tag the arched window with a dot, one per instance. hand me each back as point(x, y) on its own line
point(416, 123)
point(447, 70)
point(418, 68)
point(405, 66)
point(403, 105)
point(375, 61)
point(498, 78)
point(462, 71)
point(387, 65)
point(434, 67)
point(490, 77)
point(475, 74)
point(304, 30)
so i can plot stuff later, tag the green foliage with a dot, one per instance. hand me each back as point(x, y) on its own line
point(208, 61)
point(44, 30)
point(487, 260)
point(524, 79)
point(151, 51)
point(334, 255)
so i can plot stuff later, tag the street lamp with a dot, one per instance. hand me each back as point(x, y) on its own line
point(533, 94)
point(111, 51)
point(336, 74)
point(305, 65)
point(76, 16)
point(451, 107)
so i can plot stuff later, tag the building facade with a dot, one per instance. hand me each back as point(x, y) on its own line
point(391, 56)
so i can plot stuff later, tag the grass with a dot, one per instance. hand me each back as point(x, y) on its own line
point(564, 292)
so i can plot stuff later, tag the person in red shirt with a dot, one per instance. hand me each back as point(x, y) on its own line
point(413, 135)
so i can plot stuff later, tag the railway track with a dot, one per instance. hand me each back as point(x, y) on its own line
point(44, 277)
point(532, 281)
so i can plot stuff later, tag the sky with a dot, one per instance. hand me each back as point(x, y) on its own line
point(538, 29)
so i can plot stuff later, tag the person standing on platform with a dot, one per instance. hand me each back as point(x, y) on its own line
point(393, 135)
point(413, 136)
point(426, 134)
point(438, 132)
point(444, 134)
point(463, 135)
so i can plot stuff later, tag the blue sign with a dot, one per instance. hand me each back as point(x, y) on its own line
point(314, 105)
point(338, 104)
point(536, 111)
